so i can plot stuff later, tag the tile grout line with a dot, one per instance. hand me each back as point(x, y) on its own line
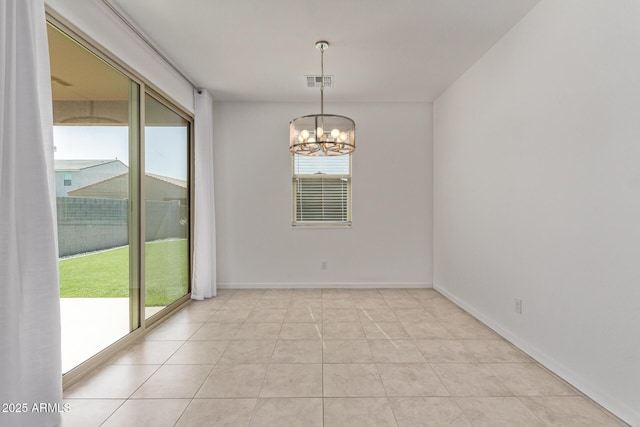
point(255, 304)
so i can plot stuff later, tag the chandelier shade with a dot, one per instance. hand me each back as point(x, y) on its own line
point(322, 134)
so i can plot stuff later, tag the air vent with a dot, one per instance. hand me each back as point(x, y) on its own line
point(315, 81)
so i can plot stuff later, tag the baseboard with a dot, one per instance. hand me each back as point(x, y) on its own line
point(353, 285)
point(617, 408)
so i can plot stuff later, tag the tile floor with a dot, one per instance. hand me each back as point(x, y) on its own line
point(332, 357)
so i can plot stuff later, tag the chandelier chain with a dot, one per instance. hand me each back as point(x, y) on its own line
point(321, 80)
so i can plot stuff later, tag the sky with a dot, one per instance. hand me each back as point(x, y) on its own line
point(165, 147)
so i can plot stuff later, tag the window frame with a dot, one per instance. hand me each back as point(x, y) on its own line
point(137, 224)
point(296, 223)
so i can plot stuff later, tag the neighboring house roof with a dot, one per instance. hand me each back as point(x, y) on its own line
point(75, 165)
point(117, 186)
point(174, 181)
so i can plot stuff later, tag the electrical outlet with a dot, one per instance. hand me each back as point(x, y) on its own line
point(517, 305)
point(324, 265)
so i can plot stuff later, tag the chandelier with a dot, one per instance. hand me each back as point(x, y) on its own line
point(322, 134)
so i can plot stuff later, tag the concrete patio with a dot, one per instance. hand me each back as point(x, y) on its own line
point(89, 325)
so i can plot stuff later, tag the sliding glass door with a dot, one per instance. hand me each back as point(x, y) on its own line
point(95, 109)
point(166, 154)
point(122, 190)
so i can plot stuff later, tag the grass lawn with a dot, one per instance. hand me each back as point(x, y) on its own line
point(106, 274)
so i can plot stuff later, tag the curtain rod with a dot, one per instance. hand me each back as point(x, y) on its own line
point(150, 44)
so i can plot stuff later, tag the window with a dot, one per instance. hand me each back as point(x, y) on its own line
point(321, 190)
point(67, 180)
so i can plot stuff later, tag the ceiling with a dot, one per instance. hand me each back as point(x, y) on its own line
point(75, 71)
point(380, 50)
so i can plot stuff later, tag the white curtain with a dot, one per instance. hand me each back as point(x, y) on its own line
point(30, 360)
point(203, 283)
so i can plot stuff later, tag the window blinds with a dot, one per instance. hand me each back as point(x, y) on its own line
point(322, 187)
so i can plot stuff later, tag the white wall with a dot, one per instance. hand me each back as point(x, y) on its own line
point(537, 193)
point(102, 26)
point(391, 234)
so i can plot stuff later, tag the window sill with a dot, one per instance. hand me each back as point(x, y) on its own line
point(310, 224)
